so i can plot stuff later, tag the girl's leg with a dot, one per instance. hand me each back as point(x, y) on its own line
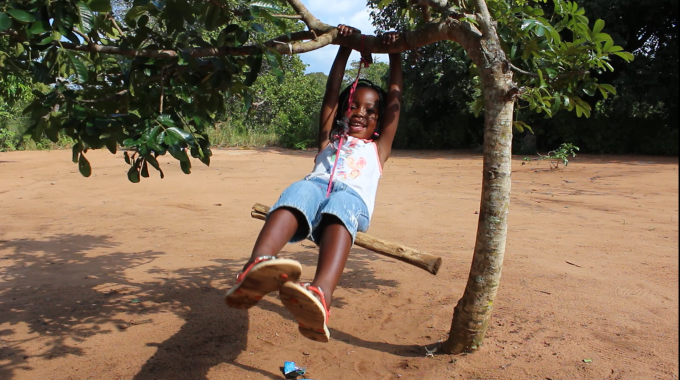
point(278, 229)
point(334, 247)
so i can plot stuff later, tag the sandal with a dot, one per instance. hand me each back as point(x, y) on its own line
point(264, 275)
point(310, 312)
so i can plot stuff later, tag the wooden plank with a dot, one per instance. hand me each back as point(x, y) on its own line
point(423, 260)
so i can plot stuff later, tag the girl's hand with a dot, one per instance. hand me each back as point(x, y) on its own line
point(346, 30)
point(389, 37)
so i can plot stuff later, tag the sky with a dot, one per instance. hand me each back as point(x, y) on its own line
point(348, 12)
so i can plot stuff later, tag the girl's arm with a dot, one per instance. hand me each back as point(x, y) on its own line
point(393, 106)
point(330, 99)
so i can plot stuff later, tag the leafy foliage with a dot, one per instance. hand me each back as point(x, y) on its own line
point(152, 103)
point(551, 47)
point(560, 155)
point(157, 76)
point(642, 117)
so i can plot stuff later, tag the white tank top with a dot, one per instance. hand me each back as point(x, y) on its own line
point(358, 167)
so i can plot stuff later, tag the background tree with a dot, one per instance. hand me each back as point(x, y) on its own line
point(644, 110)
point(156, 83)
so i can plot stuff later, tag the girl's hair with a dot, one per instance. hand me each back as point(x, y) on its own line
point(341, 125)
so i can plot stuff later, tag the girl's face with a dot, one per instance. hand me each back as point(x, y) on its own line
point(363, 115)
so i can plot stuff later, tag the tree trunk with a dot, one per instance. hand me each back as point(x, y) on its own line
point(473, 311)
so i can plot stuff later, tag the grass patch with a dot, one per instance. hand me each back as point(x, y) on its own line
point(224, 135)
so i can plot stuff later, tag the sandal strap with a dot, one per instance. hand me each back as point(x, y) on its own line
point(322, 295)
point(241, 276)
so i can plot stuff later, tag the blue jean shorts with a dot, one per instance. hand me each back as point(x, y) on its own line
point(309, 198)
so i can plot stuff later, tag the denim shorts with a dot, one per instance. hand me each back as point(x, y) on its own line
point(309, 198)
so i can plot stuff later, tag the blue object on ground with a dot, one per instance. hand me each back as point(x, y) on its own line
point(291, 371)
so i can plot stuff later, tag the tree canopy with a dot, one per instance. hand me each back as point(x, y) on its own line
point(152, 75)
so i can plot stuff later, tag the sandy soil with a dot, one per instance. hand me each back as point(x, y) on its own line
point(104, 279)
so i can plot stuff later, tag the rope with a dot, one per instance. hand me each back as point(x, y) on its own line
point(362, 63)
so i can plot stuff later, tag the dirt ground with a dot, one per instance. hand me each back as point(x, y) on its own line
point(104, 279)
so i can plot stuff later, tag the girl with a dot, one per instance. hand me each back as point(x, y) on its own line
point(332, 203)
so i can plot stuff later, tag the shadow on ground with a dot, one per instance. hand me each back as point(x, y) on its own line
point(99, 294)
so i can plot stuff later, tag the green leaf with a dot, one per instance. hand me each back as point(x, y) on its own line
point(40, 27)
point(84, 166)
point(242, 36)
point(540, 78)
point(86, 17)
point(100, 6)
point(268, 5)
point(590, 91)
point(384, 3)
point(135, 12)
point(597, 28)
point(247, 102)
point(5, 22)
point(145, 170)
point(20, 15)
point(166, 120)
point(152, 160)
point(181, 135)
point(79, 67)
point(609, 88)
point(186, 166)
point(599, 37)
point(477, 106)
point(257, 28)
point(521, 126)
point(255, 63)
point(133, 174)
point(111, 145)
point(628, 57)
point(127, 158)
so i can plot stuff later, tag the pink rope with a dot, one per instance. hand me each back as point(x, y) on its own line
point(362, 63)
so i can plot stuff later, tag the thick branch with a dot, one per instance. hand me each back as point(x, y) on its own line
point(454, 30)
point(483, 17)
point(308, 18)
point(206, 52)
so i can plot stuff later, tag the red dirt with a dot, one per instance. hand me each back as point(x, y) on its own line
point(104, 279)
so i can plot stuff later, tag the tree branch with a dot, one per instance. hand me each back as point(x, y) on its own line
point(454, 30)
point(115, 25)
point(483, 17)
point(319, 35)
point(520, 71)
point(83, 35)
point(312, 22)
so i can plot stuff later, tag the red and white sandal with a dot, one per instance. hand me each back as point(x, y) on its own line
point(265, 275)
point(310, 312)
